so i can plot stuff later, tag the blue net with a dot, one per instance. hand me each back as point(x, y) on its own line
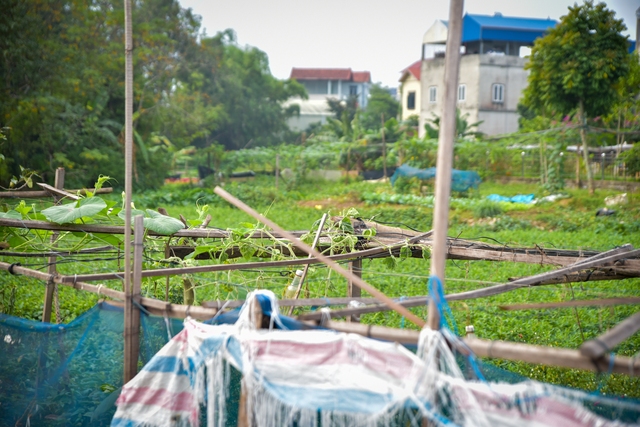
point(71, 375)
point(460, 180)
point(55, 375)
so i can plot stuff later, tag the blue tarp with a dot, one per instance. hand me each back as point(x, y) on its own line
point(460, 180)
point(519, 198)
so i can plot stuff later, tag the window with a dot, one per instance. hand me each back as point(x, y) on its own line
point(462, 92)
point(411, 100)
point(353, 90)
point(316, 87)
point(433, 92)
point(334, 86)
point(497, 93)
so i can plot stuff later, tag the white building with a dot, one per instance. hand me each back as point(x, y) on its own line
point(325, 83)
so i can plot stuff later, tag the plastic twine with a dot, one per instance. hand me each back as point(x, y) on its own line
point(436, 291)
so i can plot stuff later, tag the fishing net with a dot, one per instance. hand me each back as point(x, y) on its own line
point(324, 378)
point(460, 180)
point(69, 374)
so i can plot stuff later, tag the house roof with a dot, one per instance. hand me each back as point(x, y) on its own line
point(413, 69)
point(506, 28)
point(496, 27)
point(330, 74)
point(361, 76)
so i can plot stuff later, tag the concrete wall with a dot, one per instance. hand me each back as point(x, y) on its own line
point(479, 73)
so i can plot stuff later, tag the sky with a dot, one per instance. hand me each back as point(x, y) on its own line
point(380, 36)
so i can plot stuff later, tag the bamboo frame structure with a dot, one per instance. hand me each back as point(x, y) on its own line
point(619, 263)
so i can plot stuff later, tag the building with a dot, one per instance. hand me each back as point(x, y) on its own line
point(492, 75)
point(324, 83)
point(410, 91)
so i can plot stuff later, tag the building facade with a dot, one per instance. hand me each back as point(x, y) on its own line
point(492, 75)
point(410, 90)
point(327, 83)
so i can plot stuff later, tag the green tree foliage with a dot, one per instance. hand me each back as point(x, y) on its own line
point(380, 107)
point(578, 65)
point(464, 129)
point(62, 92)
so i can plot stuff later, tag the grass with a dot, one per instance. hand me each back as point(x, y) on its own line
point(569, 223)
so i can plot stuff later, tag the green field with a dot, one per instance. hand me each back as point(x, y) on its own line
point(568, 223)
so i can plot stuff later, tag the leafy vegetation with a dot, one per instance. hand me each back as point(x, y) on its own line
point(567, 223)
point(62, 95)
point(578, 65)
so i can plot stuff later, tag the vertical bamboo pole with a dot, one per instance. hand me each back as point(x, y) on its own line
point(51, 269)
point(384, 149)
point(245, 414)
point(445, 152)
point(277, 169)
point(353, 291)
point(129, 370)
point(131, 311)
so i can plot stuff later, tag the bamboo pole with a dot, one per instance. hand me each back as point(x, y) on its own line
point(539, 355)
point(331, 263)
point(245, 413)
point(128, 160)
point(353, 291)
point(541, 278)
point(605, 302)
point(603, 344)
point(51, 268)
point(35, 194)
point(445, 152)
point(229, 267)
point(154, 306)
point(118, 229)
point(131, 311)
point(306, 267)
point(58, 192)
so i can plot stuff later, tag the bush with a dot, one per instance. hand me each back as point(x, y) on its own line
point(487, 209)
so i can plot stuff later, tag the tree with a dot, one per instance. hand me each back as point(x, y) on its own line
point(578, 65)
point(464, 129)
point(380, 104)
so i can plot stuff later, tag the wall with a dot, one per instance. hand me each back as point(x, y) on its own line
point(410, 84)
point(478, 73)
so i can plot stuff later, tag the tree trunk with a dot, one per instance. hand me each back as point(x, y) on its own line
point(585, 152)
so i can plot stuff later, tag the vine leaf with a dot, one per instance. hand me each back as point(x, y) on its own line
point(134, 213)
point(11, 215)
point(162, 224)
point(72, 211)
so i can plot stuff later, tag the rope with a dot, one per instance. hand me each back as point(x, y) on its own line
point(436, 291)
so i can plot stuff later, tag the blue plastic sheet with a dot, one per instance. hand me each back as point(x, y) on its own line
point(519, 198)
point(460, 180)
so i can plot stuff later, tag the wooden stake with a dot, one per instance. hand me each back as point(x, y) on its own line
point(131, 311)
point(332, 264)
point(445, 152)
point(51, 269)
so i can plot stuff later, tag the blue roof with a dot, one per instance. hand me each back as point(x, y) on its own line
point(504, 28)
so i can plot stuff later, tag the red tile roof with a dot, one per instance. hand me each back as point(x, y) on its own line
point(414, 69)
point(362, 77)
point(330, 74)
